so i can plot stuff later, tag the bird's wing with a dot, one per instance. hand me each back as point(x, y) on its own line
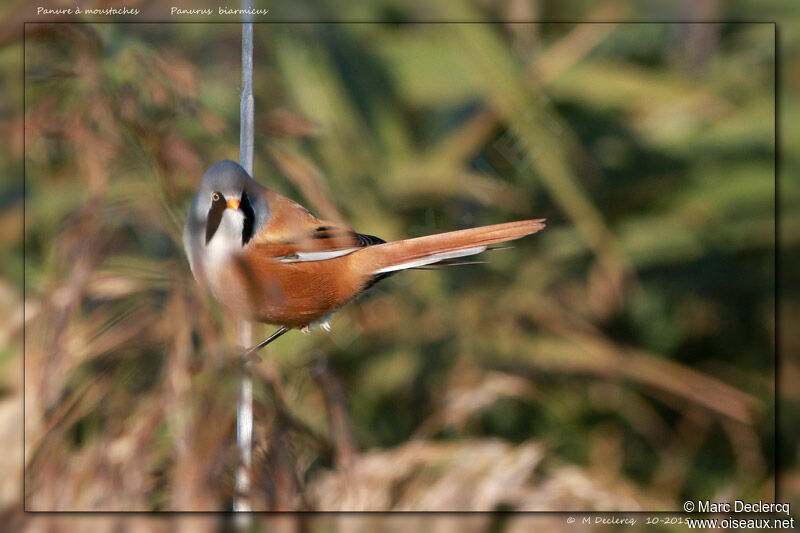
point(293, 234)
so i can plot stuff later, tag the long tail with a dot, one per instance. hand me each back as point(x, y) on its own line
point(410, 253)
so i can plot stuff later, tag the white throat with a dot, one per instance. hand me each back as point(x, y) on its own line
point(225, 242)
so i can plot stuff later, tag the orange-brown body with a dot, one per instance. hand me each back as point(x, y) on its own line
point(259, 287)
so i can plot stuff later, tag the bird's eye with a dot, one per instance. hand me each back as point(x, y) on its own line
point(216, 197)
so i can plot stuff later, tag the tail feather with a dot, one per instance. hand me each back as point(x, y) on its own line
point(421, 251)
point(430, 259)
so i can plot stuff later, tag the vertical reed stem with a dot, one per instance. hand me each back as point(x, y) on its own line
point(242, 500)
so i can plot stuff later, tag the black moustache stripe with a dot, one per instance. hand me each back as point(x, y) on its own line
point(214, 217)
point(249, 218)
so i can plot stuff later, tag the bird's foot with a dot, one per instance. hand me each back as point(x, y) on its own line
point(251, 354)
point(250, 357)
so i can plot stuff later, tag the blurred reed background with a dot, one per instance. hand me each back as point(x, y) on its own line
point(620, 360)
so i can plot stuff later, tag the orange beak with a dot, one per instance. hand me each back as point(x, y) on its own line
point(233, 203)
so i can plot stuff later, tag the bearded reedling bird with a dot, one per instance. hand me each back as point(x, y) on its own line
point(268, 259)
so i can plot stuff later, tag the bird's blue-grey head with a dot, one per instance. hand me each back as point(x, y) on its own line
point(227, 211)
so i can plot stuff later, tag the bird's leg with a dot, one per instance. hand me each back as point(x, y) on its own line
point(250, 354)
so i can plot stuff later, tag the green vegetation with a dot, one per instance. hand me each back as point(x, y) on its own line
point(621, 359)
